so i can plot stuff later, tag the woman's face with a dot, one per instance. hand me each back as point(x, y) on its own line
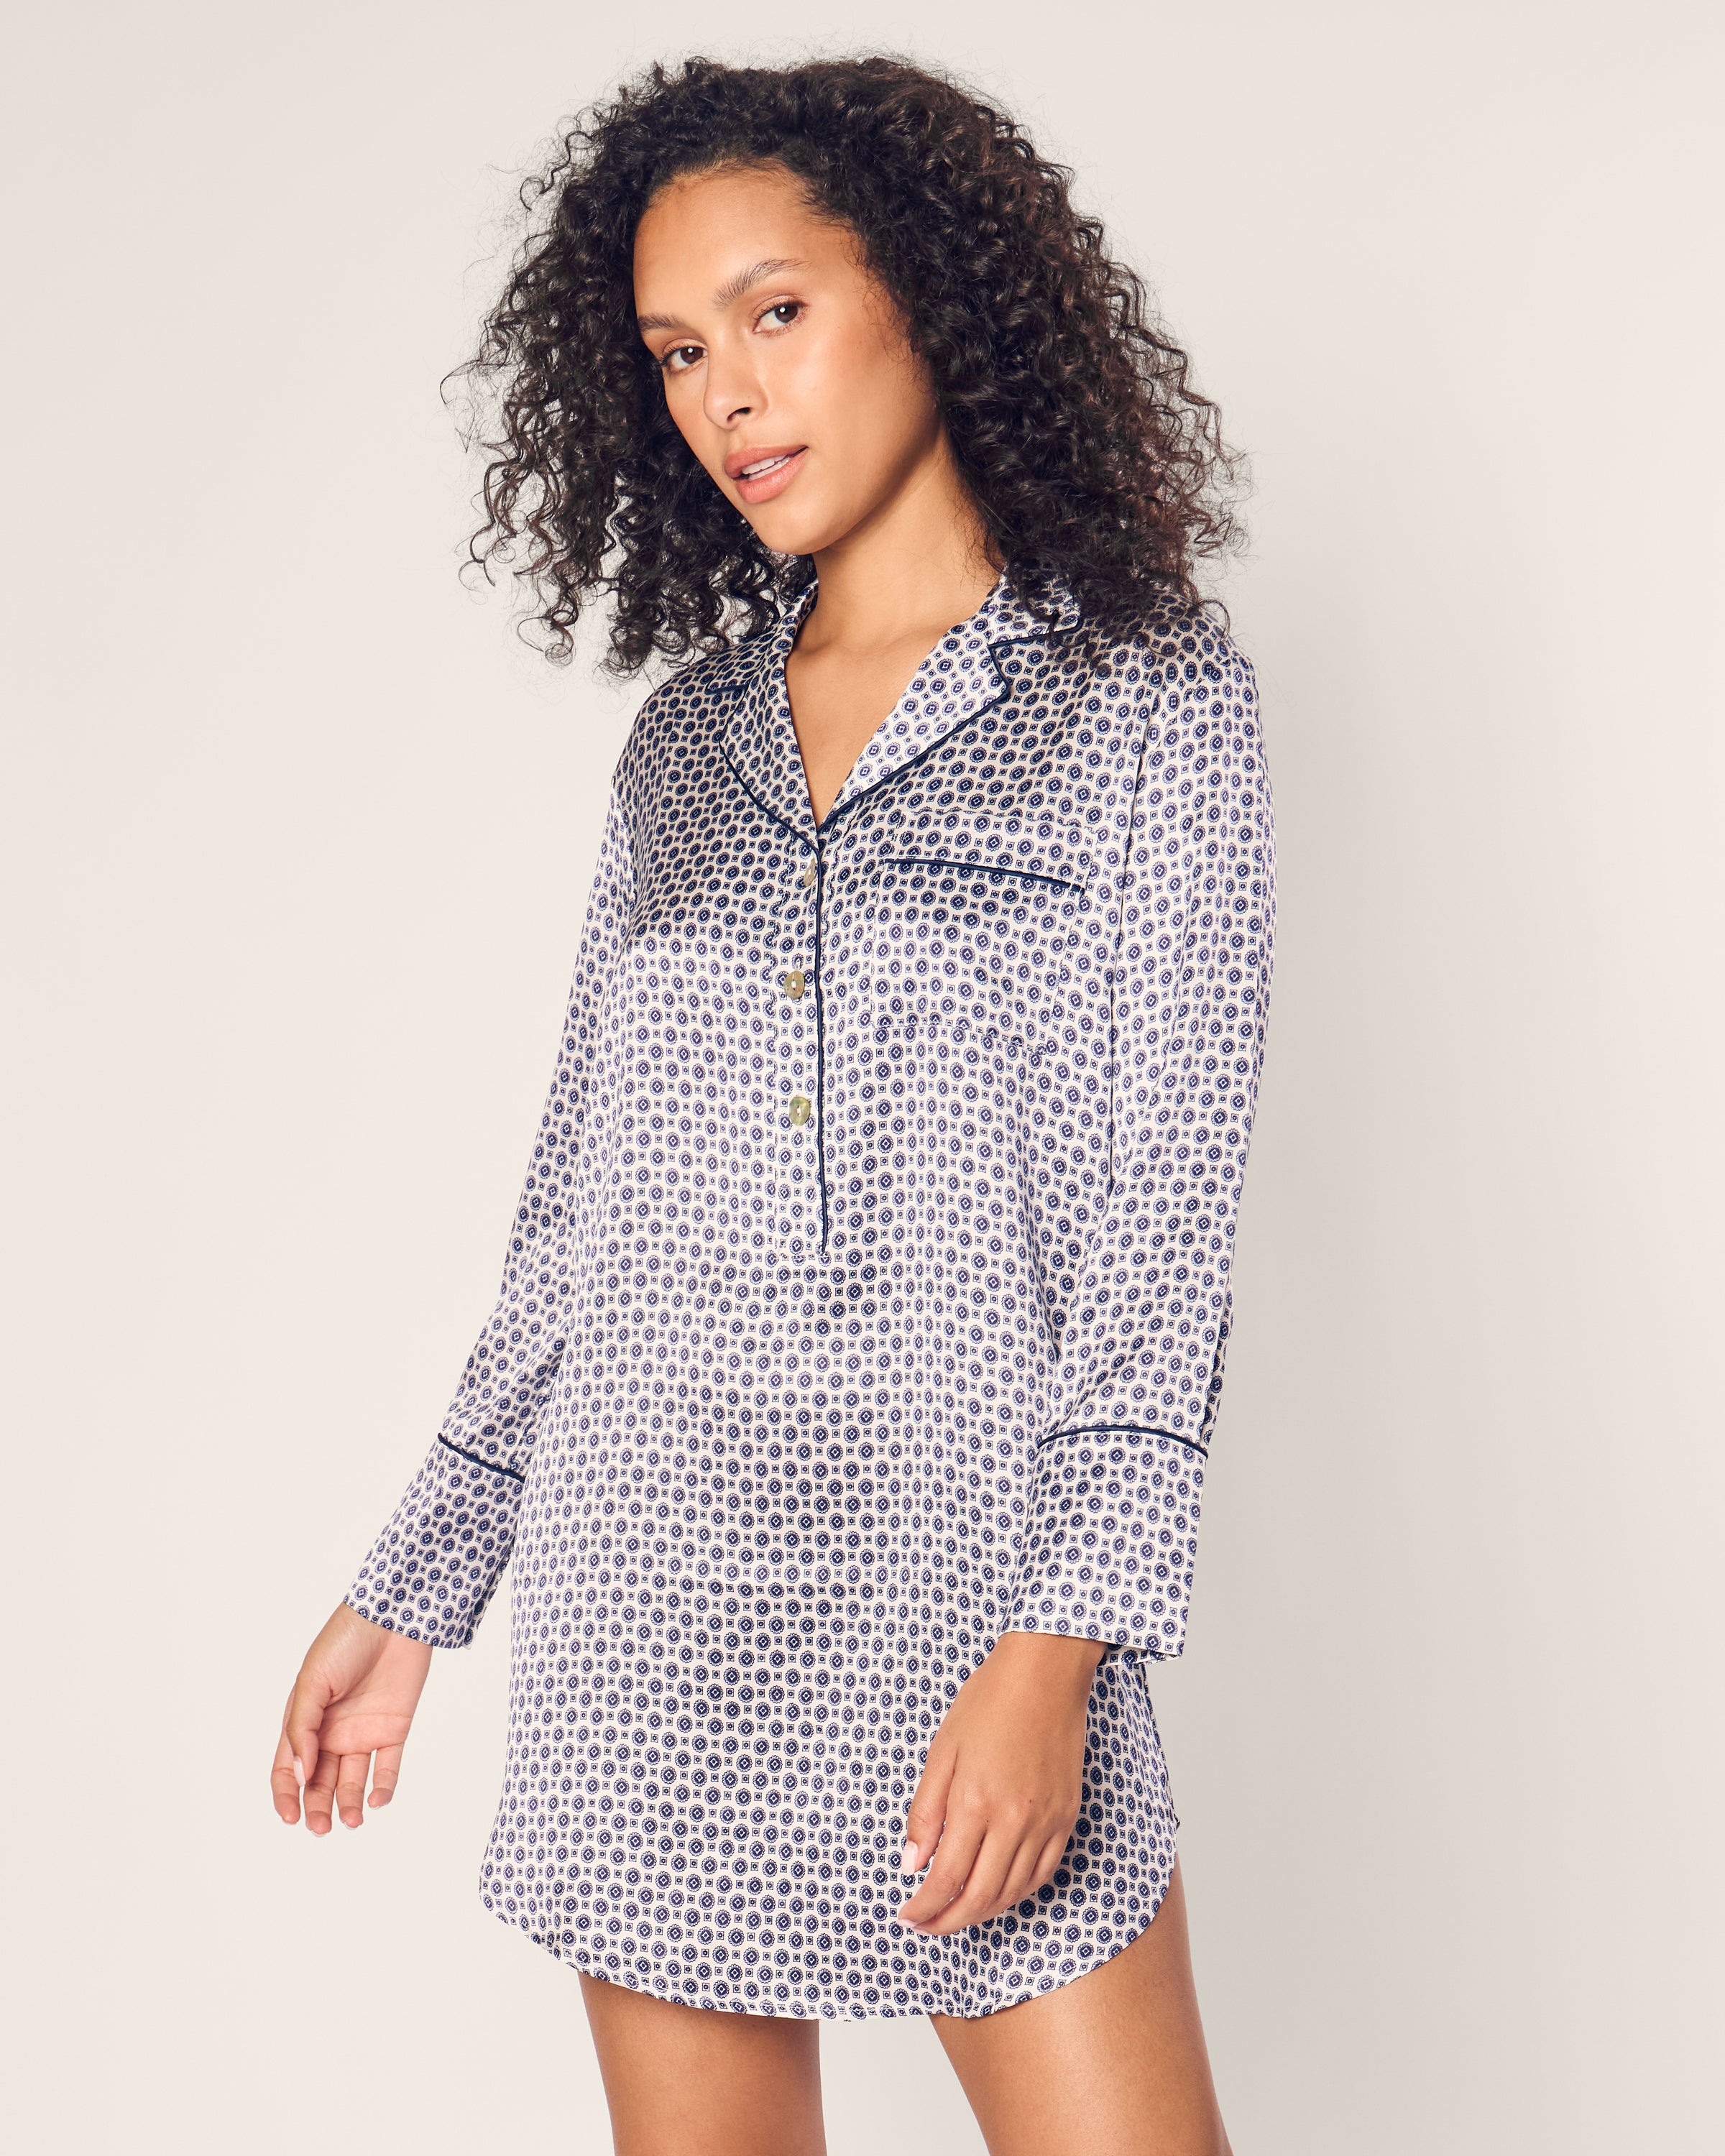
point(784, 360)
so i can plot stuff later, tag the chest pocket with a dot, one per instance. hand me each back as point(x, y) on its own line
point(978, 923)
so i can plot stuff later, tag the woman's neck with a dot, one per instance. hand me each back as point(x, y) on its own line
point(920, 561)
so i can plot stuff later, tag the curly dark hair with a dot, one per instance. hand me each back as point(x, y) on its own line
point(1070, 412)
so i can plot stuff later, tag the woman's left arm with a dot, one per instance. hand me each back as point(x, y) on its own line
point(1111, 1532)
point(1105, 1559)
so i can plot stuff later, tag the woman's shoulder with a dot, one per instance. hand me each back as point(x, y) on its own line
point(1175, 640)
point(696, 688)
point(1181, 682)
point(687, 703)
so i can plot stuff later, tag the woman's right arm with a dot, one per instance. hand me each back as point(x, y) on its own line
point(427, 1579)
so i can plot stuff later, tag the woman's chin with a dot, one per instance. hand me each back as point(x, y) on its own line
point(796, 531)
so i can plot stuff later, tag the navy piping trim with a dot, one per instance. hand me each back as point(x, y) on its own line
point(820, 1047)
point(820, 1060)
point(460, 1455)
point(1126, 1429)
point(892, 777)
point(802, 838)
point(821, 831)
point(815, 845)
point(980, 868)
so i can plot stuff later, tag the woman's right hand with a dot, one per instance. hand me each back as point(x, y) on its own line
point(354, 1697)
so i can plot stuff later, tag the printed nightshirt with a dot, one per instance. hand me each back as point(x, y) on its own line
point(867, 1298)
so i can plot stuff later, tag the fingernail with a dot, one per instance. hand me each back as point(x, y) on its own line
point(911, 1860)
point(299, 1771)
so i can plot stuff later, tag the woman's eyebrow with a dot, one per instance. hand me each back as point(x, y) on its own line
point(733, 288)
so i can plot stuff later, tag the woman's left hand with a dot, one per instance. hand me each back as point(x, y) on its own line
point(1001, 1786)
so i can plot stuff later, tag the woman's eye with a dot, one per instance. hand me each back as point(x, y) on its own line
point(681, 358)
point(784, 314)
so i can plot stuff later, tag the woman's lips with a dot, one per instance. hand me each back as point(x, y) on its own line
point(776, 477)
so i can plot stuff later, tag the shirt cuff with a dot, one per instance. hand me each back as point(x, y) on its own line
point(1111, 1540)
point(432, 1571)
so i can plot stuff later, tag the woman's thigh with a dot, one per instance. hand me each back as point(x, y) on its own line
point(681, 2081)
point(1113, 2064)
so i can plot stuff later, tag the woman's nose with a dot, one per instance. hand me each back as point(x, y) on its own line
point(732, 389)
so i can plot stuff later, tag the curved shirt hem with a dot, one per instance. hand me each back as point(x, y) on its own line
point(585, 1963)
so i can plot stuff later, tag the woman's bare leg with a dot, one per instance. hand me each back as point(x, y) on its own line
point(1113, 2064)
point(681, 2081)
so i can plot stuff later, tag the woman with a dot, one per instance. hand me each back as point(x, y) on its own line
point(846, 1402)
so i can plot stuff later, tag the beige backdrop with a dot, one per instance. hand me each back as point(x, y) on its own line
point(298, 843)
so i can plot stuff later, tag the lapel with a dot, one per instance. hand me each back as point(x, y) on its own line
point(959, 677)
point(760, 739)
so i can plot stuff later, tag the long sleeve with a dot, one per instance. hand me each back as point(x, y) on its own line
point(1111, 1532)
point(436, 1565)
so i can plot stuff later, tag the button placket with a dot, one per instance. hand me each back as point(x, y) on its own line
point(793, 996)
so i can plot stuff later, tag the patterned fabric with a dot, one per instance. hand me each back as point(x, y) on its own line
point(867, 1298)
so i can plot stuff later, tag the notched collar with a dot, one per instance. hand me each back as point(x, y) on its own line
point(959, 677)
